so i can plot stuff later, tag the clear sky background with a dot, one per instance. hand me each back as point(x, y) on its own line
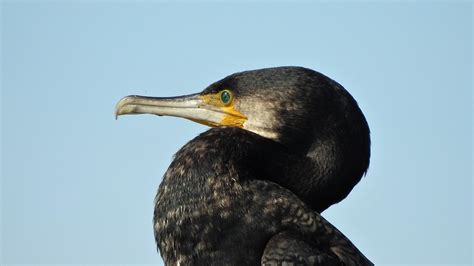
point(78, 186)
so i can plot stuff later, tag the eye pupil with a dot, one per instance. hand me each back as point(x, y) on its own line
point(225, 97)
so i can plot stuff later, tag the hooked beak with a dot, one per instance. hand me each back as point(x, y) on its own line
point(191, 107)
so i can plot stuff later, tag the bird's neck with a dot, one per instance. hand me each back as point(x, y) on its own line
point(320, 177)
point(325, 172)
point(201, 199)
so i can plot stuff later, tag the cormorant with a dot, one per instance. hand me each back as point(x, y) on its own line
point(242, 197)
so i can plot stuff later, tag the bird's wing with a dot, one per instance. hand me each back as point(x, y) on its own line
point(304, 236)
point(287, 248)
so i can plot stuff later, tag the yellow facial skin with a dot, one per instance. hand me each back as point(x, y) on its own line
point(231, 116)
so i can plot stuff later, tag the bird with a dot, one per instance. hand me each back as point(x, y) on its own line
point(285, 144)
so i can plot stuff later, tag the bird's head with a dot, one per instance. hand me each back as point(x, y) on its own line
point(311, 115)
point(291, 105)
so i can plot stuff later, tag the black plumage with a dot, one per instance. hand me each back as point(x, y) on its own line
point(251, 193)
point(212, 210)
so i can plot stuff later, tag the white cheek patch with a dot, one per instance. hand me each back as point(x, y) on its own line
point(262, 132)
point(263, 118)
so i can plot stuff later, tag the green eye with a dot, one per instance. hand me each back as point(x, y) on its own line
point(226, 96)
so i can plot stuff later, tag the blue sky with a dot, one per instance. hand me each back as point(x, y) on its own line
point(78, 186)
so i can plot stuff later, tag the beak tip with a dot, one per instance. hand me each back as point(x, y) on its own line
point(121, 103)
point(116, 113)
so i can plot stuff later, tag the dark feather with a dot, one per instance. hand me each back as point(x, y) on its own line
point(213, 208)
